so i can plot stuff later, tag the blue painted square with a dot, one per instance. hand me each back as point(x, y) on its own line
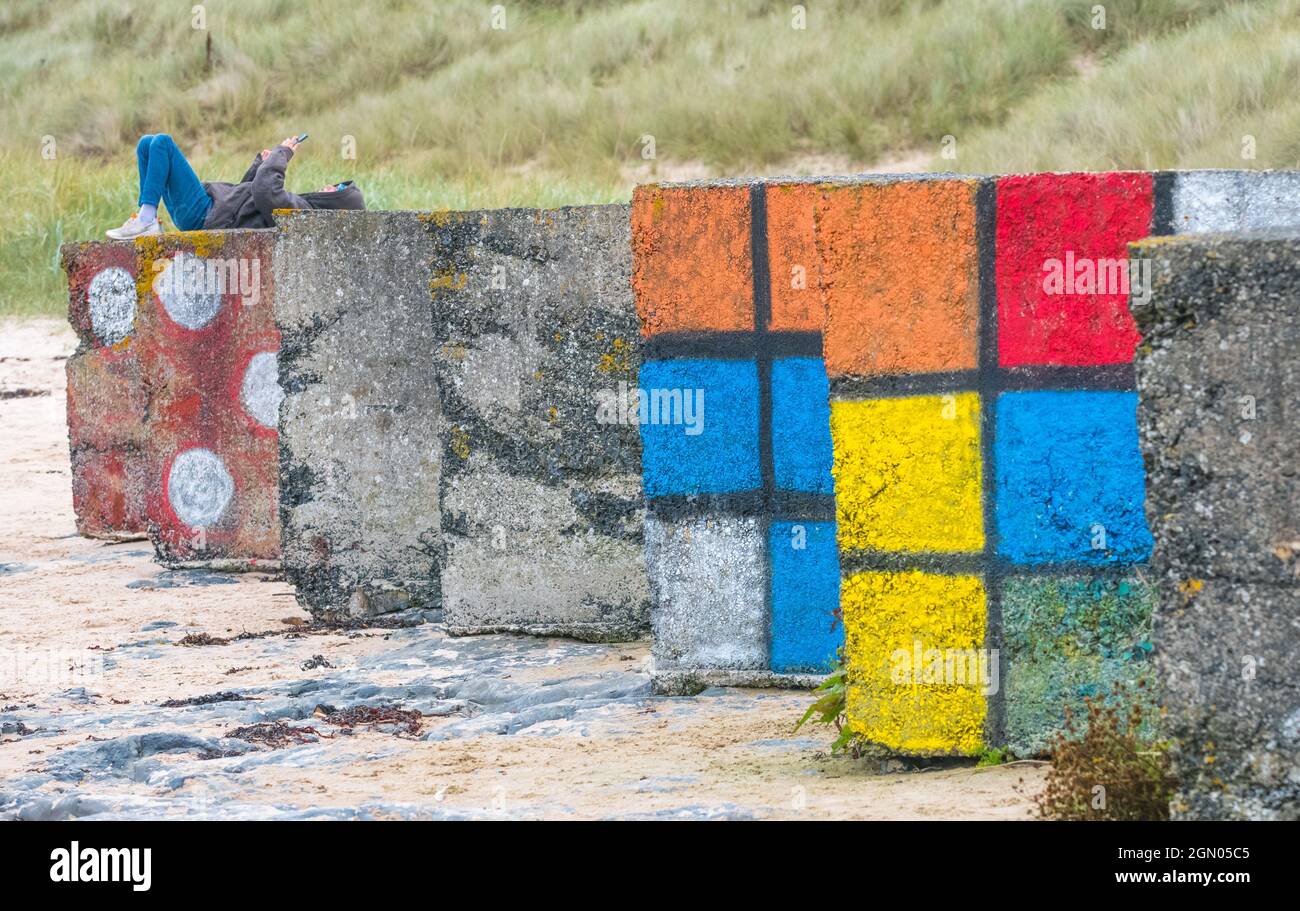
point(1070, 481)
point(711, 448)
point(806, 634)
point(801, 425)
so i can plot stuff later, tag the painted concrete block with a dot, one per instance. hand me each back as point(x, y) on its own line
point(708, 578)
point(1082, 222)
point(1020, 449)
point(1067, 639)
point(1070, 483)
point(899, 270)
point(208, 352)
point(731, 310)
point(1004, 299)
point(914, 651)
point(908, 473)
point(1219, 382)
point(106, 401)
point(535, 336)
point(360, 425)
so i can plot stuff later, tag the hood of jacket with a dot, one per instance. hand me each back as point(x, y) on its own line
point(348, 198)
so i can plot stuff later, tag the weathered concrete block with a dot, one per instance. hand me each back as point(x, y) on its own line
point(172, 395)
point(360, 452)
point(535, 351)
point(1219, 384)
point(208, 350)
point(106, 401)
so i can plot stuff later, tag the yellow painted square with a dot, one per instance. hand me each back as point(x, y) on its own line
point(907, 473)
point(892, 699)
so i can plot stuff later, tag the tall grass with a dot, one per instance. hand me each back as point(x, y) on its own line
point(557, 107)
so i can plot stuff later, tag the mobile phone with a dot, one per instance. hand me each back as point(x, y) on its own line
point(301, 137)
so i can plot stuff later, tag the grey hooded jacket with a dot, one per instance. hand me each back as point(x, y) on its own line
point(249, 203)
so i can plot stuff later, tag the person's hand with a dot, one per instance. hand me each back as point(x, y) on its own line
point(291, 143)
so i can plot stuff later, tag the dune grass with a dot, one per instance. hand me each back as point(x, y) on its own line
point(441, 109)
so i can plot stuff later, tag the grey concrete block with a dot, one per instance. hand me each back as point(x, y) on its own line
point(359, 454)
point(1219, 385)
point(709, 582)
point(541, 504)
point(1226, 658)
point(1218, 201)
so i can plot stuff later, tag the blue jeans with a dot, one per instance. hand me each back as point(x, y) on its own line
point(165, 175)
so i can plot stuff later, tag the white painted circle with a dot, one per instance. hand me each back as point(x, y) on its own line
point(111, 299)
point(260, 392)
point(189, 291)
point(199, 487)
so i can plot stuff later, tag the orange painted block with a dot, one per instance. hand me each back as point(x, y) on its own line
point(797, 304)
point(900, 270)
point(691, 262)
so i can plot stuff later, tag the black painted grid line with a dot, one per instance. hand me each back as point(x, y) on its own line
point(731, 345)
point(1162, 209)
point(990, 382)
point(1036, 377)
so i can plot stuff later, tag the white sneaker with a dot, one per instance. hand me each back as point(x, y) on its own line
point(132, 228)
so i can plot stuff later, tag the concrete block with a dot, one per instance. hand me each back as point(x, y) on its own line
point(208, 351)
point(535, 351)
point(1219, 383)
point(106, 401)
point(360, 451)
point(735, 434)
point(977, 338)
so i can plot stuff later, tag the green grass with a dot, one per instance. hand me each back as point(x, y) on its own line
point(447, 111)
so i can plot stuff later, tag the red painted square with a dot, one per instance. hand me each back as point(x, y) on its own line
point(1051, 225)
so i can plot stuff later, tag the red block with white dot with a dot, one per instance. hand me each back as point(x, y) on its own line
point(106, 402)
point(209, 360)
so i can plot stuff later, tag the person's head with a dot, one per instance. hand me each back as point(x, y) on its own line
point(342, 195)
